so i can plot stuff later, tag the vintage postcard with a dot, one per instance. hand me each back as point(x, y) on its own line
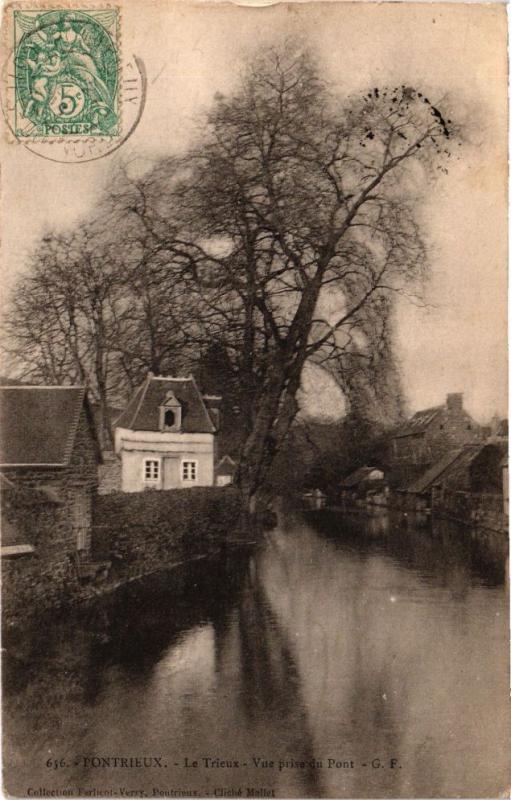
point(253, 400)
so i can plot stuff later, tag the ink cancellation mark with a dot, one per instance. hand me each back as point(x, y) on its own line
point(66, 70)
point(67, 94)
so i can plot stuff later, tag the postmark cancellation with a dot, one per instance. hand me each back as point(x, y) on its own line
point(69, 92)
point(65, 69)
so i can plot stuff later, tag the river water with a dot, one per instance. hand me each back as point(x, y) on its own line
point(341, 658)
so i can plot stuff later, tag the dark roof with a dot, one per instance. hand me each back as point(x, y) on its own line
point(461, 458)
point(428, 479)
point(419, 422)
point(451, 464)
point(226, 466)
point(38, 424)
point(360, 474)
point(142, 412)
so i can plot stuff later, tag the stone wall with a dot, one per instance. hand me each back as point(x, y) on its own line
point(470, 508)
point(139, 534)
point(451, 428)
point(48, 579)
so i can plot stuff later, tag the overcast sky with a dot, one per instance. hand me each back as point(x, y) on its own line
point(459, 342)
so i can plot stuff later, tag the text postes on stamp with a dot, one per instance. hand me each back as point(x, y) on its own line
point(66, 73)
point(69, 93)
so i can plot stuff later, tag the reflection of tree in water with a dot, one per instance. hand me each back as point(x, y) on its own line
point(270, 691)
point(389, 654)
point(300, 653)
point(55, 674)
point(371, 724)
point(144, 619)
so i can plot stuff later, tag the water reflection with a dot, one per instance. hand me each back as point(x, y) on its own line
point(351, 640)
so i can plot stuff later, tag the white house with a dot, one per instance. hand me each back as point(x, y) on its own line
point(165, 437)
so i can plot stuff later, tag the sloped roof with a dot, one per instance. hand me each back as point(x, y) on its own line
point(38, 424)
point(430, 477)
point(360, 474)
point(460, 458)
point(226, 466)
point(419, 422)
point(142, 412)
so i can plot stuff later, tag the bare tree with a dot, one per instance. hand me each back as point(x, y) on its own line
point(66, 317)
point(99, 305)
point(154, 336)
point(284, 235)
point(299, 211)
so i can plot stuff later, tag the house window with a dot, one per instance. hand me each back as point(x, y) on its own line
point(151, 470)
point(170, 418)
point(189, 470)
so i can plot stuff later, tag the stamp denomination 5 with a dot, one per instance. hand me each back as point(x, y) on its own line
point(66, 73)
point(67, 93)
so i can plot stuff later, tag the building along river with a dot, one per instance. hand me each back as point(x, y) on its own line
point(338, 659)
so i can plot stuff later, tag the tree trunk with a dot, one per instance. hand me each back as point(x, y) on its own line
point(276, 412)
point(256, 453)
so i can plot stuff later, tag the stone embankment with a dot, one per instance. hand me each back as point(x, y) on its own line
point(133, 535)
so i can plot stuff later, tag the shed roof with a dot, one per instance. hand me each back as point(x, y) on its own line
point(38, 424)
point(142, 412)
point(460, 458)
point(226, 466)
point(425, 481)
point(360, 474)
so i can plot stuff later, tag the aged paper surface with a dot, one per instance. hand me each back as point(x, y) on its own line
point(254, 400)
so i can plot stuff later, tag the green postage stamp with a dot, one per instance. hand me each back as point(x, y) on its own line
point(66, 73)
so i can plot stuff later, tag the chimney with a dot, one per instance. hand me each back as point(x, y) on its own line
point(455, 401)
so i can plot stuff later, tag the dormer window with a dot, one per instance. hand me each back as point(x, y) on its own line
point(169, 418)
point(170, 413)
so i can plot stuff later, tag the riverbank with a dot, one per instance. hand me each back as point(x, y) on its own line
point(410, 530)
point(331, 639)
point(133, 536)
point(480, 511)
